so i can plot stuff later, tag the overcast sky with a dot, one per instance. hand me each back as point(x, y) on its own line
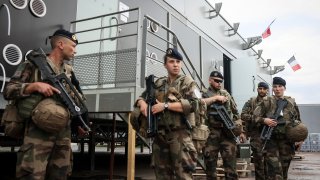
point(296, 31)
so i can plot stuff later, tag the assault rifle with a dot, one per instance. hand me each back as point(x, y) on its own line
point(151, 100)
point(277, 115)
point(220, 113)
point(38, 58)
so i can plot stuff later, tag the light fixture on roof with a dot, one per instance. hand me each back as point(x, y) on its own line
point(266, 64)
point(251, 42)
point(216, 9)
point(259, 53)
point(277, 69)
point(234, 29)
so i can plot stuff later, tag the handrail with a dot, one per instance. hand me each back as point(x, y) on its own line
point(100, 16)
point(180, 45)
point(111, 38)
point(104, 27)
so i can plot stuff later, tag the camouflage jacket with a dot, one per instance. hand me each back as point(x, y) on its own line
point(230, 105)
point(267, 107)
point(28, 73)
point(247, 114)
point(181, 90)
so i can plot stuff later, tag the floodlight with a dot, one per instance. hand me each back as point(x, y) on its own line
point(216, 10)
point(251, 42)
point(266, 64)
point(277, 69)
point(259, 53)
point(234, 29)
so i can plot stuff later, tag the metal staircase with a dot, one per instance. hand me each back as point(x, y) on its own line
point(111, 64)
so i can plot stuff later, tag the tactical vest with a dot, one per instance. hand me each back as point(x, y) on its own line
point(173, 93)
point(26, 105)
point(210, 120)
point(288, 114)
point(251, 125)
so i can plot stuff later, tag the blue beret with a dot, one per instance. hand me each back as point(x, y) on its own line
point(279, 81)
point(173, 53)
point(66, 34)
point(263, 84)
point(216, 74)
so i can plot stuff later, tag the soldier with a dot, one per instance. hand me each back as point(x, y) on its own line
point(46, 149)
point(279, 150)
point(252, 129)
point(173, 153)
point(219, 139)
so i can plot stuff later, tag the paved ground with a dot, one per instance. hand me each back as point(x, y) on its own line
point(307, 168)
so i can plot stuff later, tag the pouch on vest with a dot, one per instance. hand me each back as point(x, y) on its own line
point(13, 124)
point(200, 135)
point(26, 105)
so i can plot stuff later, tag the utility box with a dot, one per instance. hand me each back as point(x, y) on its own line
point(243, 150)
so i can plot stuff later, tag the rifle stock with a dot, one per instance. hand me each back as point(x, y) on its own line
point(58, 81)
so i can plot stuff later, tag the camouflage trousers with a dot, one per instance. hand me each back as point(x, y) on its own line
point(258, 156)
point(174, 155)
point(272, 161)
point(219, 142)
point(286, 152)
point(44, 155)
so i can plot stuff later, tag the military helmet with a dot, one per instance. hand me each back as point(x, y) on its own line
point(296, 131)
point(50, 116)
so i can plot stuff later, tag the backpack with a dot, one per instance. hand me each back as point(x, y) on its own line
point(14, 125)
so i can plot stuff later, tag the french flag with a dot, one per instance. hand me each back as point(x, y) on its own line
point(266, 33)
point(294, 63)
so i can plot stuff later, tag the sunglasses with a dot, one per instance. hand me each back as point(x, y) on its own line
point(217, 80)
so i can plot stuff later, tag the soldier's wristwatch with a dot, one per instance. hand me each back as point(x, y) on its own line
point(166, 105)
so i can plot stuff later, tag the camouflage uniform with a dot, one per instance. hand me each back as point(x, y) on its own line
point(279, 150)
point(219, 139)
point(252, 130)
point(173, 153)
point(43, 155)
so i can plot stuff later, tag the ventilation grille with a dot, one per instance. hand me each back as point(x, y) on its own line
point(38, 8)
point(19, 4)
point(113, 67)
point(12, 54)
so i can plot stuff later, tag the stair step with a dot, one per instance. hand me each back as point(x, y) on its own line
point(199, 174)
point(242, 163)
point(243, 170)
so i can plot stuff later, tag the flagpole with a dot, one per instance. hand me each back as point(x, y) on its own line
point(272, 22)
